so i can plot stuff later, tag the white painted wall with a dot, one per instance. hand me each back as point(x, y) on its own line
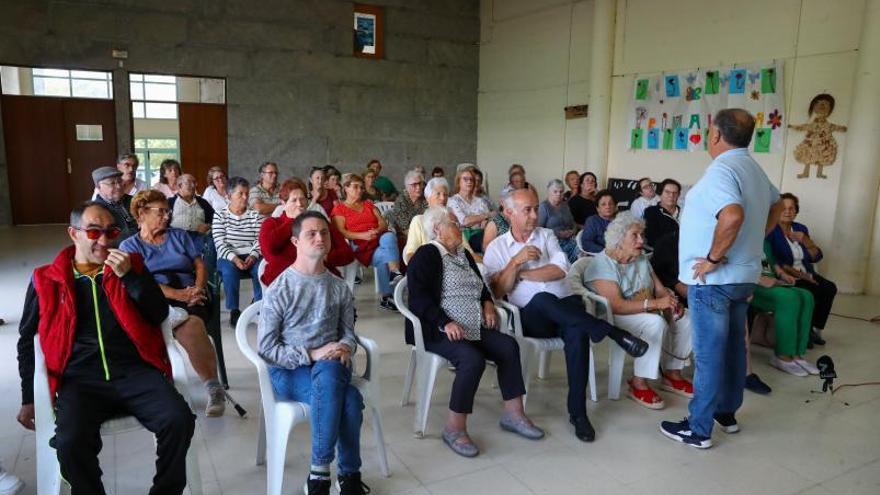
point(528, 66)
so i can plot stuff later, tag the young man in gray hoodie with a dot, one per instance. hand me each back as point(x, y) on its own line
point(306, 334)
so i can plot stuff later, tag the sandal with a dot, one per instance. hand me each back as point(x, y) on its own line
point(646, 397)
point(681, 387)
point(464, 448)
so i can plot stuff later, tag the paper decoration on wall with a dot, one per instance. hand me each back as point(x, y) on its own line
point(819, 146)
point(674, 110)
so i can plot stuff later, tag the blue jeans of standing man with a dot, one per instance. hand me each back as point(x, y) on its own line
point(718, 325)
point(231, 276)
point(336, 409)
point(387, 252)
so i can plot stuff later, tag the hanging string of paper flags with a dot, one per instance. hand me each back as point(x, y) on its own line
point(673, 110)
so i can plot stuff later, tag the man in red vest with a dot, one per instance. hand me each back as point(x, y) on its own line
point(98, 313)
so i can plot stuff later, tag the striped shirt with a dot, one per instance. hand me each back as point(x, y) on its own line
point(237, 234)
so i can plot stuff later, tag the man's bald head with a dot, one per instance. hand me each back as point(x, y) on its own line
point(521, 207)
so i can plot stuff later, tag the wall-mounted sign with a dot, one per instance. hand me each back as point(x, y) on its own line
point(576, 111)
point(89, 132)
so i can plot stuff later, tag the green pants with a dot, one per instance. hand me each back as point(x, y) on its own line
point(792, 309)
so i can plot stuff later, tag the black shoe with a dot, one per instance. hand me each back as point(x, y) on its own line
point(351, 484)
point(317, 487)
point(233, 317)
point(583, 429)
point(387, 304)
point(754, 384)
point(358, 280)
point(633, 345)
point(815, 338)
point(727, 422)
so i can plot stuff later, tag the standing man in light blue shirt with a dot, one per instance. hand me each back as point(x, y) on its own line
point(727, 215)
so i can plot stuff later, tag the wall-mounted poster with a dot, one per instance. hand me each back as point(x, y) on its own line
point(368, 31)
point(674, 109)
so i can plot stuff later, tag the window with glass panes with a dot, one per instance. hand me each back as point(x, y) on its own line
point(151, 152)
point(73, 83)
point(153, 96)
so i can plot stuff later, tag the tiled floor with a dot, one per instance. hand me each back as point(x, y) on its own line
point(793, 441)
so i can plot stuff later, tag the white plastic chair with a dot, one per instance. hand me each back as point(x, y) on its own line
point(423, 362)
point(577, 240)
point(260, 269)
point(48, 470)
point(279, 417)
point(384, 207)
point(600, 308)
point(531, 348)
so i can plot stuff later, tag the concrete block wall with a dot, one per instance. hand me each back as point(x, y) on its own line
point(295, 93)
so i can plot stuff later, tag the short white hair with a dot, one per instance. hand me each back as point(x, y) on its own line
point(432, 217)
point(435, 183)
point(411, 175)
point(618, 228)
point(555, 184)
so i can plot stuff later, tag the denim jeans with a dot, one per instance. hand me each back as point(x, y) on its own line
point(231, 276)
point(718, 325)
point(385, 253)
point(336, 409)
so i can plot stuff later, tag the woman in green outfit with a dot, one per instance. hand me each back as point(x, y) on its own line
point(792, 310)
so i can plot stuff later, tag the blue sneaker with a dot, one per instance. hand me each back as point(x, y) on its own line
point(681, 432)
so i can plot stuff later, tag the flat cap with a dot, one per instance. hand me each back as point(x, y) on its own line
point(102, 173)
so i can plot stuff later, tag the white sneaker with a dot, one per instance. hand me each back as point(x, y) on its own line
point(10, 484)
point(789, 367)
point(807, 366)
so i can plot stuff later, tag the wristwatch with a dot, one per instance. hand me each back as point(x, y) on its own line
point(710, 260)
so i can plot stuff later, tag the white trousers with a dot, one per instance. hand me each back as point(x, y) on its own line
point(669, 344)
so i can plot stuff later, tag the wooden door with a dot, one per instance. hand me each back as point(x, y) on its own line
point(33, 128)
point(87, 155)
point(203, 140)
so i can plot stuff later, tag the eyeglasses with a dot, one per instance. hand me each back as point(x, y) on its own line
point(162, 211)
point(219, 177)
point(415, 184)
point(112, 182)
point(467, 179)
point(94, 233)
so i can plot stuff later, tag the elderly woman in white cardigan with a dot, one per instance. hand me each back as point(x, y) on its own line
point(642, 305)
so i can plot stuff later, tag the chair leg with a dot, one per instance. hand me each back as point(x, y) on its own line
point(48, 470)
point(527, 353)
point(276, 452)
point(544, 364)
point(592, 376)
point(408, 378)
point(376, 279)
point(616, 357)
point(261, 440)
point(427, 376)
point(380, 441)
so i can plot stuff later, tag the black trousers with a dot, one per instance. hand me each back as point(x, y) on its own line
point(84, 403)
point(823, 294)
point(469, 358)
point(548, 316)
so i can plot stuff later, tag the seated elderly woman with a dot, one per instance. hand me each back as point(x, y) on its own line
point(498, 225)
point(169, 171)
point(408, 205)
point(473, 211)
point(792, 309)
point(593, 235)
point(216, 192)
point(361, 222)
point(642, 305)
point(236, 229)
point(553, 214)
point(795, 251)
point(176, 264)
point(275, 243)
point(370, 191)
point(190, 212)
point(458, 320)
point(436, 194)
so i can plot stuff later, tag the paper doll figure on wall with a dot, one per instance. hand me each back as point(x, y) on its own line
point(819, 147)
